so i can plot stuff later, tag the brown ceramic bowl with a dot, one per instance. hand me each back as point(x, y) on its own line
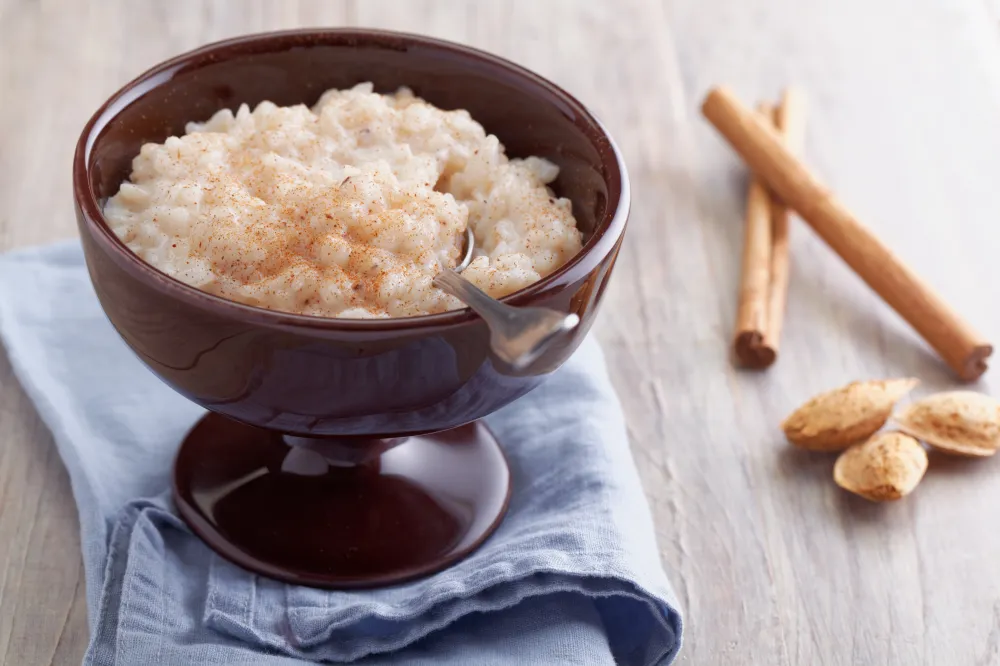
point(347, 386)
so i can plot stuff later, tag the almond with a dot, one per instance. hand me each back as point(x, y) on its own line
point(961, 422)
point(835, 420)
point(886, 467)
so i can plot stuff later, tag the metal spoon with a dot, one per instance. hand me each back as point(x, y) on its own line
point(519, 336)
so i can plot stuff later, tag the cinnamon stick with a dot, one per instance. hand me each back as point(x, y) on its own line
point(752, 315)
point(764, 280)
point(760, 146)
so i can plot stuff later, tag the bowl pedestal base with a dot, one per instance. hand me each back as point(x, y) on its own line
point(344, 512)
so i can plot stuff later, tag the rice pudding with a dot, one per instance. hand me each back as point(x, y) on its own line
point(348, 209)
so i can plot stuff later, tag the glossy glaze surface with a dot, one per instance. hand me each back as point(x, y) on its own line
point(329, 377)
point(286, 513)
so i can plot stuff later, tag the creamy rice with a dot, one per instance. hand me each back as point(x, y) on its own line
point(345, 210)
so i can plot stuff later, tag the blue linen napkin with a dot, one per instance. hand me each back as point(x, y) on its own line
point(571, 577)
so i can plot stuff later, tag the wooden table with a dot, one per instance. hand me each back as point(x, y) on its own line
point(772, 563)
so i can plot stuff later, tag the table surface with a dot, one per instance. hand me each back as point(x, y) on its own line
point(772, 563)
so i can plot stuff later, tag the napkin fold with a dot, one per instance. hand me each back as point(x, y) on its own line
point(572, 576)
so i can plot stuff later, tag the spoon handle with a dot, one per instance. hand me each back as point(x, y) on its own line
point(487, 307)
point(517, 335)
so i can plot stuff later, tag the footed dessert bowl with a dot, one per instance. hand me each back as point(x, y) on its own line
point(342, 452)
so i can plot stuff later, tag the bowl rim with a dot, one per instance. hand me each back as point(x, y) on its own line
point(608, 230)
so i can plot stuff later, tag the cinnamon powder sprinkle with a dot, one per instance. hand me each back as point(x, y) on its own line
point(348, 209)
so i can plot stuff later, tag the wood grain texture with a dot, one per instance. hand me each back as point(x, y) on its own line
point(773, 563)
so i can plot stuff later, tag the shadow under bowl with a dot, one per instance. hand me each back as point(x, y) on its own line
point(301, 405)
